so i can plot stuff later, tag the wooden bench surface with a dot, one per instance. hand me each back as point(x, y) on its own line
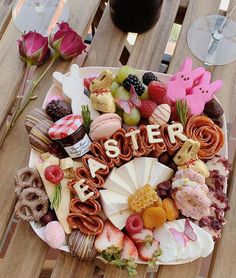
point(26, 253)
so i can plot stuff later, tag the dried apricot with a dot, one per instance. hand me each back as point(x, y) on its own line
point(169, 206)
point(154, 217)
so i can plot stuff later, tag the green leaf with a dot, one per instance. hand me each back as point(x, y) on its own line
point(128, 264)
point(183, 111)
point(111, 253)
point(86, 117)
point(56, 197)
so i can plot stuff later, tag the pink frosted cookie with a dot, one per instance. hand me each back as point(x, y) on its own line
point(190, 174)
point(54, 234)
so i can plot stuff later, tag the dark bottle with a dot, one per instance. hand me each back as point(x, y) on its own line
point(135, 16)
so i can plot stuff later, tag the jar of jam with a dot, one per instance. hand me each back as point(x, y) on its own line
point(70, 133)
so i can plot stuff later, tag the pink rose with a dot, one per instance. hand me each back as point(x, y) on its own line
point(66, 42)
point(33, 48)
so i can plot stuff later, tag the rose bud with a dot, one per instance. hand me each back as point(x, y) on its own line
point(33, 48)
point(66, 42)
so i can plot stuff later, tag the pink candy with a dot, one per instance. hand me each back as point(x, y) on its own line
point(54, 234)
point(193, 86)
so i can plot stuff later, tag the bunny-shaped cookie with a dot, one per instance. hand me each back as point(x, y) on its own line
point(73, 89)
point(183, 81)
point(202, 93)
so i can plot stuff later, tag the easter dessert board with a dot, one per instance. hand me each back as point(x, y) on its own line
point(127, 165)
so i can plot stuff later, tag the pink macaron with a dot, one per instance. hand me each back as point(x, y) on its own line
point(104, 126)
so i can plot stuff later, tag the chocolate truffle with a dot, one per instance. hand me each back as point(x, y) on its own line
point(58, 109)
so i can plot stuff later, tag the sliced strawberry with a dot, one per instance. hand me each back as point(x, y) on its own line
point(147, 108)
point(129, 249)
point(109, 237)
point(88, 81)
point(145, 237)
point(150, 253)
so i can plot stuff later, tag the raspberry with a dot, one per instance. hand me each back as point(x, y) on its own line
point(54, 174)
point(148, 77)
point(147, 108)
point(133, 80)
point(134, 224)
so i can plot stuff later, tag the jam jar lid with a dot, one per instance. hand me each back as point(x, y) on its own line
point(65, 126)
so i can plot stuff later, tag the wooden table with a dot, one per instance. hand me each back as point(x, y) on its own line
point(26, 253)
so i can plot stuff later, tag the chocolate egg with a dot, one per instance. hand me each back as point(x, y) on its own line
point(213, 109)
point(54, 234)
point(160, 115)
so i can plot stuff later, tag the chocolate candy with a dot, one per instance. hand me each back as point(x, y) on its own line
point(38, 137)
point(58, 109)
point(36, 116)
point(213, 109)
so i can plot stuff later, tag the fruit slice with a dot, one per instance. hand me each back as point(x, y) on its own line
point(128, 173)
point(154, 217)
point(143, 166)
point(149, 253)
point(129, 249)
point(145, 237)
point(134, 224)
point(172, 211)
point(116, 182)
point(159, 173)
point(110, 237)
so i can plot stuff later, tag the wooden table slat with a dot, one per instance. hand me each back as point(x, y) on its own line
point(155, 40)
point(68, 266)
point(16, 144)
point(195, 10)
point(107, 44)
point(180, 271)
point(5, 14)
point(25, 254)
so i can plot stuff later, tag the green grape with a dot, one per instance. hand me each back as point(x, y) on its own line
point(123, 73)
point(133, 117)
point(119, 112)
point(145, 95)
point(121, 93)
point(114, 87)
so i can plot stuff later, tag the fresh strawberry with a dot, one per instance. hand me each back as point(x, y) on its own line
point(145, 237)
point(134, 224)
point(88, 81)
point(157, 92)
point(151, 253)
point(147, 108)
point(174, 115)
point(129, 249)
point(110, 237)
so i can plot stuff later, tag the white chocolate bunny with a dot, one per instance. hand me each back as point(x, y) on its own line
point(202, 93)
point(73, 89)
point(182, 82)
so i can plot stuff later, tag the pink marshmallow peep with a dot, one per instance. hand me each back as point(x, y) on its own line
point(182, 82)
point(54, 234)
point(202, 93)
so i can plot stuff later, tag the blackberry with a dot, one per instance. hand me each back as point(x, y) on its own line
point(58, 109)
point(148, 77)
point(133, 80)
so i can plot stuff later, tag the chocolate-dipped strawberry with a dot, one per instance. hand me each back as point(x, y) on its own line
point(58, 109)
point(213, 109)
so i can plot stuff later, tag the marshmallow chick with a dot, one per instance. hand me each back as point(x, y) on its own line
point(174, 251)
point(54, 234)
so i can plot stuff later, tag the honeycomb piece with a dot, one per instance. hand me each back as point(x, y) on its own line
point(143, 198)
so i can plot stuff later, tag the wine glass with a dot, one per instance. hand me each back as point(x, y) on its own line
point(212, 39)
point(39, 15)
